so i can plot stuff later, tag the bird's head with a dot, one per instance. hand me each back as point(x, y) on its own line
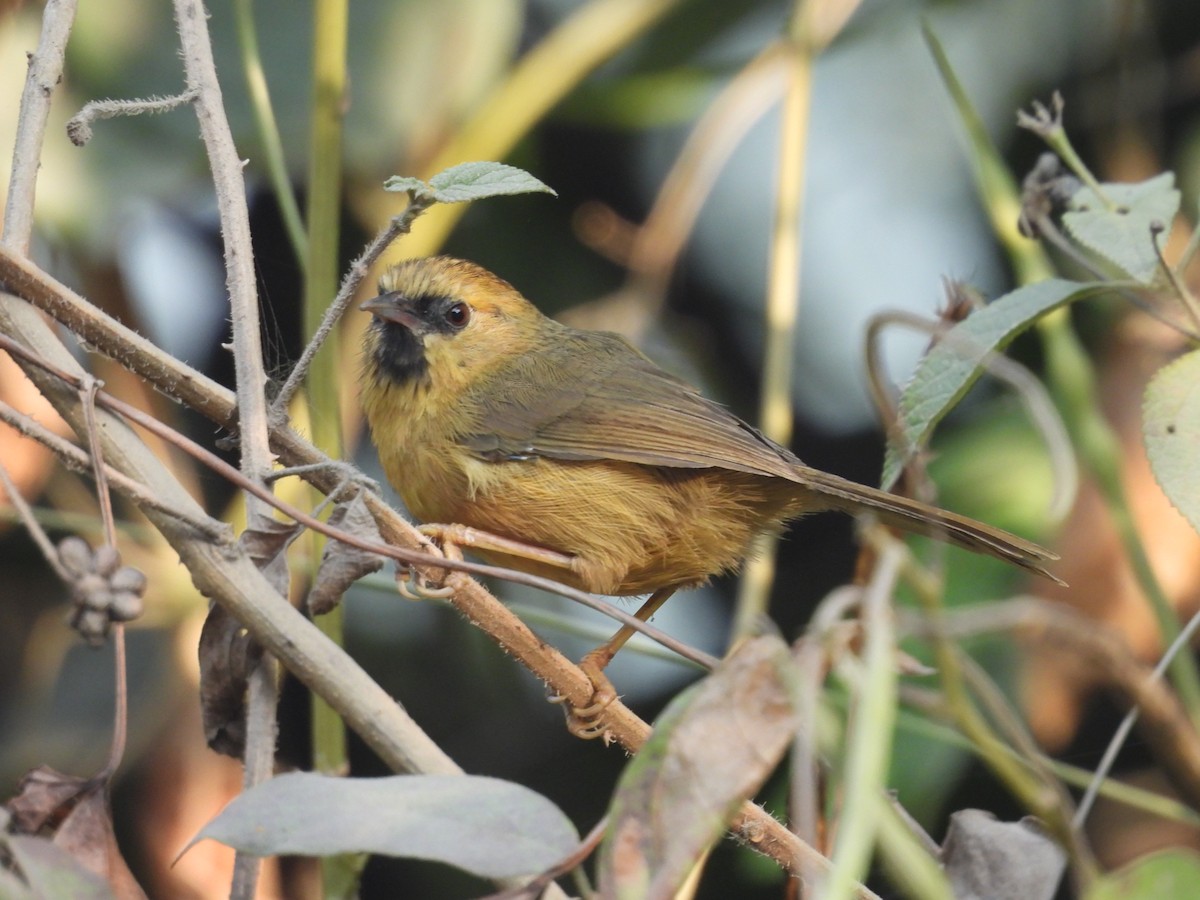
point(445, 321)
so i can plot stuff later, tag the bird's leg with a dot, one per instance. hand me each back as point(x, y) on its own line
point(465, 536)
point(588, 721)
point(453, 537)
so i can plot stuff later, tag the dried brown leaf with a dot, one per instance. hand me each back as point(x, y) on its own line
point(266, 546)
point(228, 654)
point(986, 859)
point(76, 812)
point(711, 749)
point(341, 564)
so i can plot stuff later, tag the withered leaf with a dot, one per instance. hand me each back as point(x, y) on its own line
point(87, 834)
point(43, 799)
point(76, 812)
point(712, 748)
point(265, 545)
point(986, 859)
point(228, 654)
point(341, 564)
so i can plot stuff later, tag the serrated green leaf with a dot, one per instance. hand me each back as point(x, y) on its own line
point(707, 754)
point(470, 181)
point(1171, 430)
point(1123, 234)
point(486, 826)
point(406, 183)
point(1168, 873)
point(477, 180)
point(954, 364)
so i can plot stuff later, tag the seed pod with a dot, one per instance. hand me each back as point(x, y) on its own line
point(92, 591)
point(126, 606)
point(75, 555)
point(127, 578)
point(107, 560)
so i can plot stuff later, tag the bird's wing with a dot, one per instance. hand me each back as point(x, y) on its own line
point(619, 406)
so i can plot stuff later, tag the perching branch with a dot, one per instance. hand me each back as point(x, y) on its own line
point(256, 458)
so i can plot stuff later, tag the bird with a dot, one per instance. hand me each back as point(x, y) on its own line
point(568, 453)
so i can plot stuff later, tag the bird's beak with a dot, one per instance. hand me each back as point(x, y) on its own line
point(394, 307)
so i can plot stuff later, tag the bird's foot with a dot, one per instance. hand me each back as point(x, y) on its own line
point(590, 721)
point(466, 536)
point(426, 582)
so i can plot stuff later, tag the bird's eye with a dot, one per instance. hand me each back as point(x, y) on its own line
point(458, 315)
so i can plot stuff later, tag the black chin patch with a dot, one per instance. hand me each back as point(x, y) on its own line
point(400, 354)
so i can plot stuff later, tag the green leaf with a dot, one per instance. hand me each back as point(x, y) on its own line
point(711, 748)
point(945, 374)
point(486, 826)
point(1169, 873)
point(470, 181)
point(406, 183)
point(1122, 233)
point(1171, 430)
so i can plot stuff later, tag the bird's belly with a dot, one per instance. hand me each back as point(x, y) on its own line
point(632, 528)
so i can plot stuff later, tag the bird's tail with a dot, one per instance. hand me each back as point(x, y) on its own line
point(921, 518)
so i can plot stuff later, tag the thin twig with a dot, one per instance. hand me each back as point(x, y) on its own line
point(812, 659)
point(1181, 643)
point(78, 460)
point(1185, 296)
point(87, 396)
point(32, 525)
point(354, 276)
point(1165, 724)
point(1009, 722)
point(1026, 784)
point(79, 128)
point(869, 728)
point(44, 74)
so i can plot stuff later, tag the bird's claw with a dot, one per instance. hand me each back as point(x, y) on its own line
point(591, 721)
point(414, 585)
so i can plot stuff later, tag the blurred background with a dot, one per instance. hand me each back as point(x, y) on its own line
point(890, 210)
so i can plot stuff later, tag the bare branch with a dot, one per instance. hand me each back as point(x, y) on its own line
point(77, 460)
point(32, 525)
point(79, 128)
point(45, 72)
